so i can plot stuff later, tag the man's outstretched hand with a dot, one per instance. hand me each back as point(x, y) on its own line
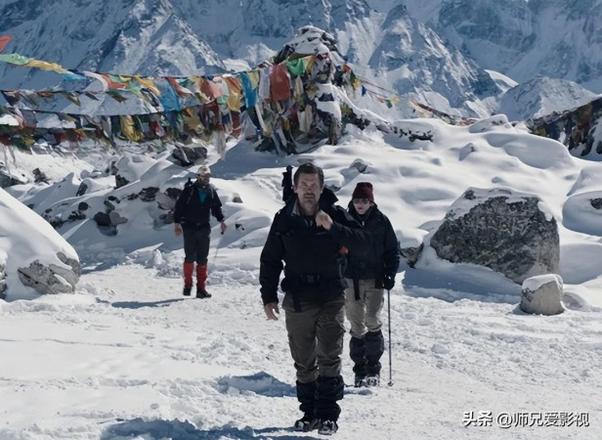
point(324, 220)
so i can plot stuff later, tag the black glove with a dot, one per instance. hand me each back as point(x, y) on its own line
point(388, 282)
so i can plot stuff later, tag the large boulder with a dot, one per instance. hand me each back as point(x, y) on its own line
point(33, 256)
point(510, 232)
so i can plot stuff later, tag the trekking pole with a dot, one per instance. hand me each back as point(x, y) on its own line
point(390, 354)
point(214, 259)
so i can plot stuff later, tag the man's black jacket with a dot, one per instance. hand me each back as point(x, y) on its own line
point(378, 258)
point(314, 258)
point(190, 211)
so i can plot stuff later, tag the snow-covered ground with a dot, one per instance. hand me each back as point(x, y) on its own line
point(129, 357)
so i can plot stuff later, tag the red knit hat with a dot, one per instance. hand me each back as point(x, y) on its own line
point(363, 190)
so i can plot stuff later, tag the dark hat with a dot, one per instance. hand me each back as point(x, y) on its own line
point(363, 190)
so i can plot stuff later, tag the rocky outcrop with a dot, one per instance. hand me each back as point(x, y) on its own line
point(51, 278)
point(580, 129)
point(187, 155)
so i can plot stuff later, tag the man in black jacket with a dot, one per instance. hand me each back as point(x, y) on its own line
point(308, 234)
point(371, 267)
point(191, 216)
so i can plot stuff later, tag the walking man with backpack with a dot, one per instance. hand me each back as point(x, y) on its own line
point(197, 201)
point(308, 235)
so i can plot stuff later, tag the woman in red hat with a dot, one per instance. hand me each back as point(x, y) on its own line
point(370, 269)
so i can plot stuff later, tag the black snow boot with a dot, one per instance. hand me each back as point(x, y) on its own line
point(359, 381)
point(306, 395)
point(372, 380)
point(375, 346)
point(328, 427)
point(202, 293)
point(357, 351)
point(186, 291)
point(306, 424)
point(328, 391)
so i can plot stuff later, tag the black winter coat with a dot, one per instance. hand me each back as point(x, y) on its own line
point(380, 256)
point(314, 258)
point(189, 210)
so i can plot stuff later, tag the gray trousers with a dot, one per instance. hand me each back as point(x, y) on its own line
point(364, 313)
point(315, 336)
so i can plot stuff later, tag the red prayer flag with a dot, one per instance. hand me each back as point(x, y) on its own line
point(4, 40)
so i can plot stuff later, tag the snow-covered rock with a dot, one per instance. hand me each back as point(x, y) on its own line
point(583, 212)
point(11, 176)
point(510, 232)
point(503, 82)
point(129, 168)
point(187, 155)
point(490, 123)
point(580, 129)
point(34, 257)
point(542, 295)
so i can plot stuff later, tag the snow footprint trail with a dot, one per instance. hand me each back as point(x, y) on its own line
point(131, 358)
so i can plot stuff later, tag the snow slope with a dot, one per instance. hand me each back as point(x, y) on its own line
point(415, 183)
point(129, 358)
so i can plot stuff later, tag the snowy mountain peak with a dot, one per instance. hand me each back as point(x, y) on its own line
point(542, 96)
point(414, 59)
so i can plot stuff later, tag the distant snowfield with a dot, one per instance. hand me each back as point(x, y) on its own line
point(128, 357)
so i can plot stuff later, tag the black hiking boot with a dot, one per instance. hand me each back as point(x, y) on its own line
point(202, 293)
point(306, 424)
point(360, 380)
point(328, 427)
point(373, 380)
point(186, 291)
